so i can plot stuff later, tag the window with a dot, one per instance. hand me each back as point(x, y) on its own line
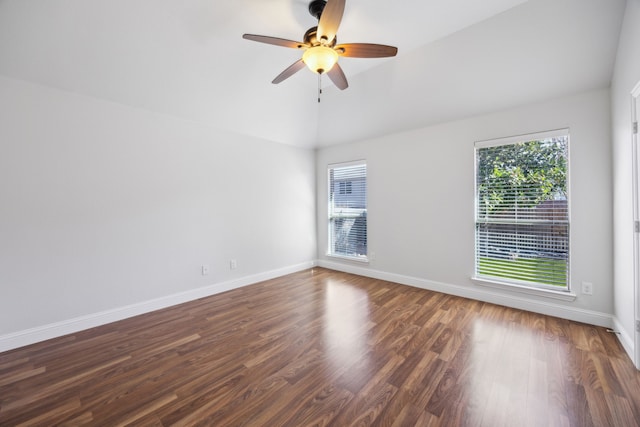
point(522, 210)
point(345, 187)
point(348, 210)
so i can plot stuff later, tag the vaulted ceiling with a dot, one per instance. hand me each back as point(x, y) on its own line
point(457, 58)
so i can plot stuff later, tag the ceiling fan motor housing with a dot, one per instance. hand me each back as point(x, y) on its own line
point(311, 38)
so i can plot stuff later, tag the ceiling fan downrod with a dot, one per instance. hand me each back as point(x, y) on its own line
point(316, 7)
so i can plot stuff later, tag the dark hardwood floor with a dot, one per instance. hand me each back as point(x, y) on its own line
point(325, 348)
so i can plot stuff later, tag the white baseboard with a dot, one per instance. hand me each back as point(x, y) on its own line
point(481, 294)
point(45, 332)
point(54, 330)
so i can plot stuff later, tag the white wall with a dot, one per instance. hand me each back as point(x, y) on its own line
point(103, 206)
point(494, 65)
point(421, 202)
point(626, 76)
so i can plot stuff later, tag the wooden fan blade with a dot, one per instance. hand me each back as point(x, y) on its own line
point(330, 20)
point(275, 41)
point(290, 71)
point(337, 77)
point(365, 50)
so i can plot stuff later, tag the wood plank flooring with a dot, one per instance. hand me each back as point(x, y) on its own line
point(325, 348)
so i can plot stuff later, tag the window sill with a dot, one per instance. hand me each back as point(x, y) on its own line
point(547, 293)
point(362, 260)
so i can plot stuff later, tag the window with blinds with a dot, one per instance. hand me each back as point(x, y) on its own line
point(522, 210)
point(348, 210)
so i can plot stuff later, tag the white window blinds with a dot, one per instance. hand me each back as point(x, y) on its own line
point(522, 210)
point(348, 210)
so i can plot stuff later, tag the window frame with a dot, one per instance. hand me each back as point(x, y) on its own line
point(331, 214)
point(558, 292)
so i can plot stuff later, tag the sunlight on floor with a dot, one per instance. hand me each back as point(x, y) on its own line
point(508, 381)
point(346, 323)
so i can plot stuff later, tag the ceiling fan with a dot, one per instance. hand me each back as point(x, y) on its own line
point(321, 51)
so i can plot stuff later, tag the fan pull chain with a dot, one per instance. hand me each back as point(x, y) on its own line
point(319, 86)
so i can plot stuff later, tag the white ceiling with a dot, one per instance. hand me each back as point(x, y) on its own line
point(187, 59)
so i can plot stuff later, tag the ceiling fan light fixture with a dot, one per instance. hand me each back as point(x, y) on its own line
point(321, 50)
point(320, 59)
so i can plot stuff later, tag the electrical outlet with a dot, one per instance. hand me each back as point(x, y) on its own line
point(205, 270)
point(233, 264)
point(587, 288)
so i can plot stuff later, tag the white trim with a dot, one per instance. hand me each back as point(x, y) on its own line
point(526, 289)
point(522, 138)
point(361, 162)
point(69, 326)
point(625, 339)
point(361, 260)
point(504, 298)
point(635, 155)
